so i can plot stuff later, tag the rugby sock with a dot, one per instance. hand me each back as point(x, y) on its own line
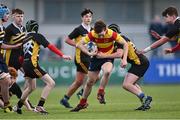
point(83, 101)
point(15, 89)
point(81, 92)
point(30, 104)
point(41, 102)
point(141, 96)
point(101, 91)
point(20, 103)
point(66, 97)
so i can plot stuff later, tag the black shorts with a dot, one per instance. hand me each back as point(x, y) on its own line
point(140, 70)
point(95, 63)
point(31, 71)
point(3, 67)
point(82, 66)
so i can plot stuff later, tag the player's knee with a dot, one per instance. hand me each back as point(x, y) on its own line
point(107, 73)
point(79, 82)
point(33, 88)
point(90, 83)
point(51, 84)
point(125, 85)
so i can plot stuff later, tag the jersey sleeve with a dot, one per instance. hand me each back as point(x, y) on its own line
point(1, 36)
point(88, 37)
point(172, 32)
point(8, 34)
point(74, 34)
point(117, 37)
point(41, 40)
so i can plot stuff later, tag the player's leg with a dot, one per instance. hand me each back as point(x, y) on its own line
point(71, 90)
point(107, 69)
point(30, 88)
point(92, 77)
point(47, 89)
point(4, 82)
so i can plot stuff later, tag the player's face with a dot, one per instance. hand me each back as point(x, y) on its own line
point(169, 19)
point(101, 34)
point(6, 17)
point(18, 18)
point(87, 19)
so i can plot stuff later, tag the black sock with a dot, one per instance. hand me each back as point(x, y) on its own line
point(15, 89)
point(30, 104)
point(41, 102)
point(81, 91)
point(20, 103)
point(66, 97)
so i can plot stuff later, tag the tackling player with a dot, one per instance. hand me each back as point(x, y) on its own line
point(139, 65)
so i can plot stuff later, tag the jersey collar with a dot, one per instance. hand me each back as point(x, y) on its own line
point(19, 28)
point(87, 27)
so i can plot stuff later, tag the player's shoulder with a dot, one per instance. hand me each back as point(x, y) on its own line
point(10, 27)
point(78, 28)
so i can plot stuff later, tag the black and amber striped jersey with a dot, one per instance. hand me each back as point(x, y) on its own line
point(31, 48)
point(2, 34)
point(133, 57)
point(77, 34)
point(14, 35)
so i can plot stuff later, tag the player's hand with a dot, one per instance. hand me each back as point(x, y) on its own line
point(155, 34)
point(94, 53)
point(67, 57)
point(168, 51)
point(18, 45)
point(123, 63)
point(100, 55)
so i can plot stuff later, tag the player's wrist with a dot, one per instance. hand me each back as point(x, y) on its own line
point(147, 49)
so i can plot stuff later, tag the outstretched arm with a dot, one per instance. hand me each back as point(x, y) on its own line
point(156, 44)
point(117, 54)
point(54, 49)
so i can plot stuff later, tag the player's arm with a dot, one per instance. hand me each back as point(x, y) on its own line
point(171, 50)
point(43, 41)
point(74, 34)
point(81, 45)
point(7, 46)
point(170, 34)
point(54, 49)
point(156, 44)
point(70, 41)
point(117, 54)
point(122, 41)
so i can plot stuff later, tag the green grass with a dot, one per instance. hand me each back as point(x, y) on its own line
point(120, 105)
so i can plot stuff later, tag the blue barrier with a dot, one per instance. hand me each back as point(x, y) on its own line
point(163, 71)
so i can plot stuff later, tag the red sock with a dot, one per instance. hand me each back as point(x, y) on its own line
point(83, 101)
point(101, 91)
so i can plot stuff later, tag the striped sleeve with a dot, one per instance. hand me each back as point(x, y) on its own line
point(88, 37)
point(1, 36)
point(117, 37)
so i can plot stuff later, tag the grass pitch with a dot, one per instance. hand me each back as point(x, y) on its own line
point(120, 105)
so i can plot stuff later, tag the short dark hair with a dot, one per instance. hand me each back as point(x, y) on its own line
point(18, 11)
point(86, 11)
point(170, 11)
point(99, 26)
